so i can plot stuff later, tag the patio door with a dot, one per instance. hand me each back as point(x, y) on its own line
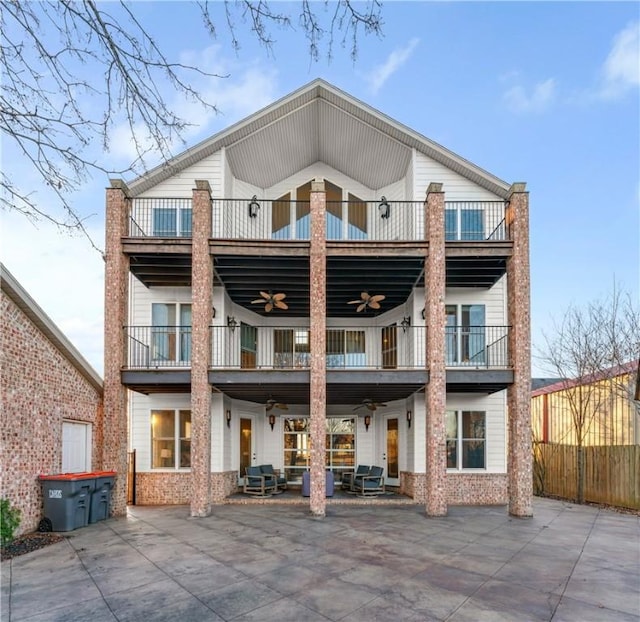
point(391, 451)
point(247, 447)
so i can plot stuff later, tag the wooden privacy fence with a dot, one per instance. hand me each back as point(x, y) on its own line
point(611, 473)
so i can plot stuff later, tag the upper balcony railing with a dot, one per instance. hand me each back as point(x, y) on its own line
point(243, 346)
point(253, 219)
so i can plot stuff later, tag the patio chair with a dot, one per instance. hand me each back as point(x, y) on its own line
point(281, 482)
point(349, 477)
point(370, 485)
point(259, 484)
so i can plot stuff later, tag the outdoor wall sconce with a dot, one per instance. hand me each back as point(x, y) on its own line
point(406, 322)
point(232, 323)
point(424, 313)
point(272, 420)
point(367, 422)
point(213, 312)
point(254, 207)
point(228, 416)
point(384, 208)
point(409, 418)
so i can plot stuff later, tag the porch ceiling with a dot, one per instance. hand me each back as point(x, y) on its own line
point(244, 277)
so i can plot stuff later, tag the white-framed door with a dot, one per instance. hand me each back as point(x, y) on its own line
point(246, 444)
point(76, 447)
point(391, 449)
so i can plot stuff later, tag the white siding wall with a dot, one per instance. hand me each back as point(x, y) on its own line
point(140, 414)
point(182, 184)
point(494, 299)
point(455, 186)
point(495, 406)
point(141, 298)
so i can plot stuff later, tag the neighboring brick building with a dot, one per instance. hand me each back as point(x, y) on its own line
point(325, 201)
point(51, 411)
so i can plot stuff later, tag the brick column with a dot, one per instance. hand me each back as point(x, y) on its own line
point(318, 319)
point(519, 393)
point(201, 305)
point(436, 389)
point(116, 293)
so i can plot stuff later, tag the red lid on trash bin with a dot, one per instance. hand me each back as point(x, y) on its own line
point(67, 476)
point(104, 473)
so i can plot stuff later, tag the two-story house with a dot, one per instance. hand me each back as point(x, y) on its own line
point(317, 287)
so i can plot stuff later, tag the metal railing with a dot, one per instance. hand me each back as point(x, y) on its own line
point(476, 221)
point(266, 219)
point(160, 218)
point(477, 346)
point(158, 346)
point(288, 348)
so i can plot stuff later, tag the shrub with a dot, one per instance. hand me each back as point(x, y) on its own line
point(9, 520)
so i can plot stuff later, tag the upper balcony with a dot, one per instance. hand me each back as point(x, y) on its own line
point(355, 221)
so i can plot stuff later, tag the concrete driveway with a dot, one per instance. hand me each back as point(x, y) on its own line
point(361, 563)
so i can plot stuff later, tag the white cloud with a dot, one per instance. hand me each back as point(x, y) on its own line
point(380, 74)
point(65, 277)
point(621, 69)
point(537, 100)
point(248, 88)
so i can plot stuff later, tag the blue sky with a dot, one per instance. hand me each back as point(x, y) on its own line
point(542, 92)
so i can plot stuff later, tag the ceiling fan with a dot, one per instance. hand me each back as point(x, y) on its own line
point(271, 403)
point(367, 302)
point(370, 404)
point(271, 301)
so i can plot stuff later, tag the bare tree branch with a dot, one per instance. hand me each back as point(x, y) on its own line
point(74, 69)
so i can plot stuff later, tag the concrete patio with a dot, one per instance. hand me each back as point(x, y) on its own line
point(361, 563)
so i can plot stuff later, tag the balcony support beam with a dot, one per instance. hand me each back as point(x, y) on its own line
point(201, 305)
point(520, 461)
point(116, 282)
point(318, 372)
point(436, 388)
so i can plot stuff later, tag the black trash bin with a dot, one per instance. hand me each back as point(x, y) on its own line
point(101, 496)
point(67, 499)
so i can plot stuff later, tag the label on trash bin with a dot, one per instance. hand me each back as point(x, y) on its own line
point(55, 494)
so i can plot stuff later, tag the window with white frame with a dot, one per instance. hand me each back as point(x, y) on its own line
point(171, 333)
point(466, 439)
point(170, 439)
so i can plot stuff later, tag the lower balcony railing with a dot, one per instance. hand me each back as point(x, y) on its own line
point(243, 346)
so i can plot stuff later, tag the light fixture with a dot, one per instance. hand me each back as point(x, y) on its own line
point(254, 207)
point(272, 420)
point(232, 322)
point(367, 422)
point(409, 418)
point(424, 313)
point(384, 208)
point(213, 312)
point(228, 415)
point(406, 322)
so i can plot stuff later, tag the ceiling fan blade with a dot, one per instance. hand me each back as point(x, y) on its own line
point(374, 305)
point(281, 305)
point(354, 302)
point(371, 406)
point(365, 296)
point(282, 406)
point(265, 295)
point(377, 298)
point(279, 296)
point(361, 307)
point(259, 301)
point(358, 407)
point(269, 406)
point(268, 307)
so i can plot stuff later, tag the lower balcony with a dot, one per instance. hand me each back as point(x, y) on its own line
point(241, 346)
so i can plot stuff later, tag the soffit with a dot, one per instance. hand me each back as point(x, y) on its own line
point(319, 123)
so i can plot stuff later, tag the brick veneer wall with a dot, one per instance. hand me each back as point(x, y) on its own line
point(163, 488)
point(477, 488)
point(39, 387)
point(174, 488)
point(461, 488)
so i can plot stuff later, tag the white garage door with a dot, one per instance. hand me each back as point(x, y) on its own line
point(76, 447)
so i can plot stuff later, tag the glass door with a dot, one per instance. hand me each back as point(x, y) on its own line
point(392, 453)
point(247, 451)
point(390, 347)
